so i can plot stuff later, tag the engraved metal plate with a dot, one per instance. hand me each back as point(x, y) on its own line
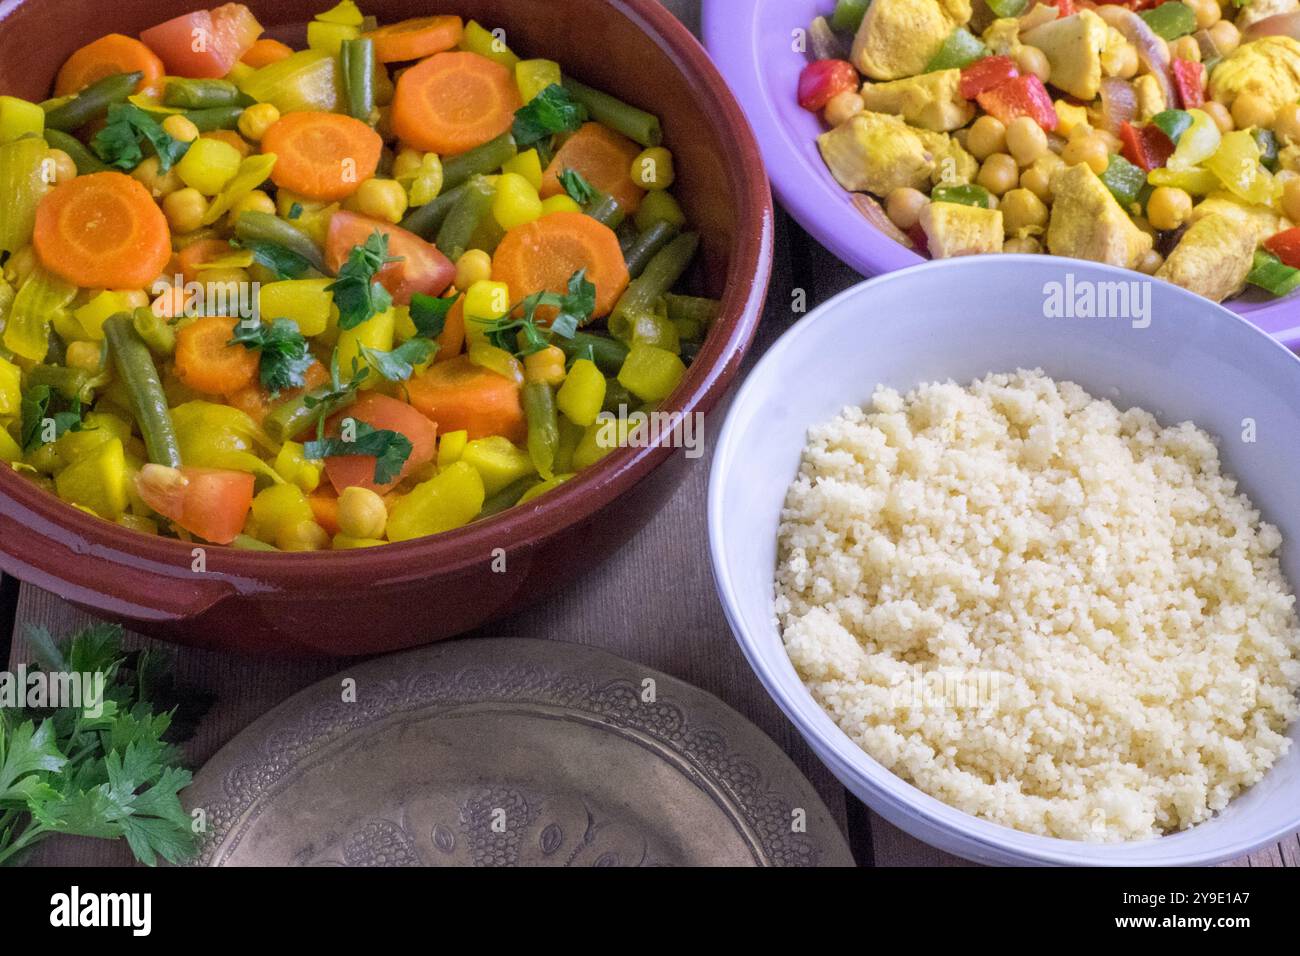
point(508, 752)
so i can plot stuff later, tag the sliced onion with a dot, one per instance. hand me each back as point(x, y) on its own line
point(1279, 25)
point(1037, 15)
point(1119, 104)
point(1153, 52)
point(875, 214)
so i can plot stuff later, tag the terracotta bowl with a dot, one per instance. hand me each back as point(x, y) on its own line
point(382, 599)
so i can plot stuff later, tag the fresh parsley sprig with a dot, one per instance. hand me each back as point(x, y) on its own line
point(357, 293)
point(390, 448)
point(36, 409)
point(120, 142)
point(577, 187)
point(284, 356)
point(550, 112)
point(524, 336)
point(281, 262)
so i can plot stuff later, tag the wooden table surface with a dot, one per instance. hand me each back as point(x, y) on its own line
point(618, 607)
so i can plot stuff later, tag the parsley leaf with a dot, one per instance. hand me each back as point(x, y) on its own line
point(357, 294)
point(119, 142)
point(576, 185)
point(574, 308)
point(284, 358)
point(283, 263)
point(550, 112)
point(390, 448)
point(295, 211)
point(429, 313)
point(399, 364)
point(36, 411)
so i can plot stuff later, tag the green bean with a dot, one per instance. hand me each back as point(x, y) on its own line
point(618, 400)
point(86, 161)
point(71, 383)
point(426, 220)
point(136, 368)
point(246, 542)
point(647, 245)
point(543, 427)
point(654, 328)
point(604, 208)
point(478, 161)
point(464, 218)
point(154, 331)
point(92, 102)
point(357, 63)
point(218, 117)
point(199, 94)
point(608, 354)
point(265, 227)
point(660, 275)
point(295, 416)
point(633, 123)
point(691, 308)
point(507, 497)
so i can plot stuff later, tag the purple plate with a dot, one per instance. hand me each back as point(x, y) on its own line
point(753, 43)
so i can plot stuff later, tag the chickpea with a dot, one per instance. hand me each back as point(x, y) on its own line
point(159, 185)
point(987, 136)
point(1287, 122)
point(1027, 245)
point(1250, 109)
point(474, 266)
point(407, 162)
point(1022, 209)
point(1219, 113)
point(1169, 207)
point(61, 165)
point(1226, 36)
point(1090, 149)
point(904, 205)
point(380, 199)
point(85, 355)
point(256, 201)
point(1186, 48)
point(1207, 13)
point(998, 174)
point(843, 106)
point(184, 209)
point(257, 119)
point(1150, 262)
point(362, 513)
point(1038, 181)
point(180, 128)
point(1026, 140)
point(1291, 199)
point(1030, 59)
point(303, 536)
point(1126, 62)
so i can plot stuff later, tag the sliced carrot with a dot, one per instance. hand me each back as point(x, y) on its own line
point(265, 52)
point(455, 101)
point(381, 412)
point(201, 251)
point(604, 158)
point(107, 56)
point(415, 39)
point(543, 254)
point(325, 509)
point(323, 156)
point(458, 394)
point(206, 361)
point(102, 231)
point(452, 337)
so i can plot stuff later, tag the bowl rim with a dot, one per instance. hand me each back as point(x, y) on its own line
point(807, 190)
point(846, 759)
point(41, 531)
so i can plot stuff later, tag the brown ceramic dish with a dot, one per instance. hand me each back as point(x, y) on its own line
point(380, 599)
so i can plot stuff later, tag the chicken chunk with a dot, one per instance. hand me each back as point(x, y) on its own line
point(1212, 259)
point(1002, 36)
point(1268, 67)
point(876, 152)
point(1150, 97)
point(1073, 46)
point(1088, 223)
point(1260, 221)
point(954, 229)
point(953, 166)
point(930, 100)
point(899, 37)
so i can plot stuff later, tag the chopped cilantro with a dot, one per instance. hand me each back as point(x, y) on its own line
point(284, 357)
point(576, 185)
point(574, 308)
point(357, 294)
point(119, 143)
point(35, 411)
point(390, 448)
point(550, 112)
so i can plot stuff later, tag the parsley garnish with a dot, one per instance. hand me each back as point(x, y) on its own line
point(111, 776)
point(35, 411)
point(281, 262)
point(284, 358)
point(550, 112)
point(119, 142)
point(356, 293)
point(295, 210)
point(576, 185)
point(399, 364)
point(575, 307)
point(390, 448)
point(429, 313)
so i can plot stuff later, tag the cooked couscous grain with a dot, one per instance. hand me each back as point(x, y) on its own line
point(1039, 609)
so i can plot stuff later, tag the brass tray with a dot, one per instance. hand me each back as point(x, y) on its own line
point(505, 752)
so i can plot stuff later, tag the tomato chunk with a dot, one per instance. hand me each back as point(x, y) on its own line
point(422, 268)
point(205, 44)
point(212, 503)
point(985, 74)
point(382, 413)
point(824, 79)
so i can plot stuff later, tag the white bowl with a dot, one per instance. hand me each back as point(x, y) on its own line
point(960, 319)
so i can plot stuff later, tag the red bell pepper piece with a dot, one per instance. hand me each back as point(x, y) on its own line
point(1286, 246)
point(823, 79)
point(985, 74)
point(1146, 146)
point(1064, 7)
point(1187, 76)
point(1020, 96)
